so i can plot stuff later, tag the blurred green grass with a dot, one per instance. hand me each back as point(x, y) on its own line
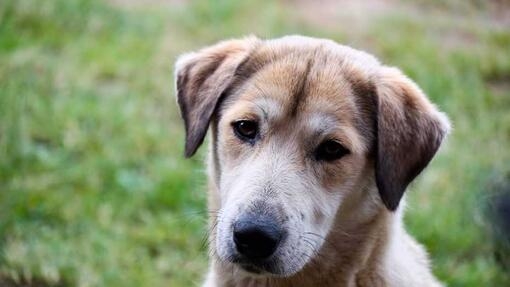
point(94, 190)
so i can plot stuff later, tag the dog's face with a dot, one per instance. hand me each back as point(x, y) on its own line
point(303, 130)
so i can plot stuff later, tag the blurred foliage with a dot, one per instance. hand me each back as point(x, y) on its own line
point(93, 187)
point(497, 211)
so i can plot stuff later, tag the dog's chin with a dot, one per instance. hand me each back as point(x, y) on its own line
point(263, 268)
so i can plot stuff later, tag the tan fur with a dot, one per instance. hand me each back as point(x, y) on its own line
point(343, 218)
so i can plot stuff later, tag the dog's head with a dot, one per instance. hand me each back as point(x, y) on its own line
point(303, 130)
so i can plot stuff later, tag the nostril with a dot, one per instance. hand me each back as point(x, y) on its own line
point(256, 239)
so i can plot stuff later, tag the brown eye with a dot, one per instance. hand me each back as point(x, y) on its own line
point(245, 129)
point(330, 150)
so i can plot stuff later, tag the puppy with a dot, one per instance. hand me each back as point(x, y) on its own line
point(312, 147)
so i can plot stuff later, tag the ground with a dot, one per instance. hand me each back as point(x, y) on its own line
point(94, 190)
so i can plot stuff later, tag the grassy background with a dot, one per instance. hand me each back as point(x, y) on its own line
point(94, 190)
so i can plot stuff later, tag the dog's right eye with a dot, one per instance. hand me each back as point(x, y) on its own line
point(245, 129)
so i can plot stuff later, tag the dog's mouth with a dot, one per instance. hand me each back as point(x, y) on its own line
point(257, 267)
point(251, 269)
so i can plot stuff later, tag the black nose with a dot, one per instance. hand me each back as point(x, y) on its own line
point(256, 238)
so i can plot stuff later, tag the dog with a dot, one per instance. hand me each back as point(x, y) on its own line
point(312, 145)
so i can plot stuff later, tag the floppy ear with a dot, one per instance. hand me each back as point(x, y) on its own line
point(201, 79)
point(409, 132)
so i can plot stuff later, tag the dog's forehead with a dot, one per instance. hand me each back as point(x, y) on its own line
point(306, 78)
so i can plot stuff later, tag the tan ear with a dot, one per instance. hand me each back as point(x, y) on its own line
point(409, 132)
point(201, 79)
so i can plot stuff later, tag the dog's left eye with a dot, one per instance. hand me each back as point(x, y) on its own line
point(246, 129)
point(330, 150)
